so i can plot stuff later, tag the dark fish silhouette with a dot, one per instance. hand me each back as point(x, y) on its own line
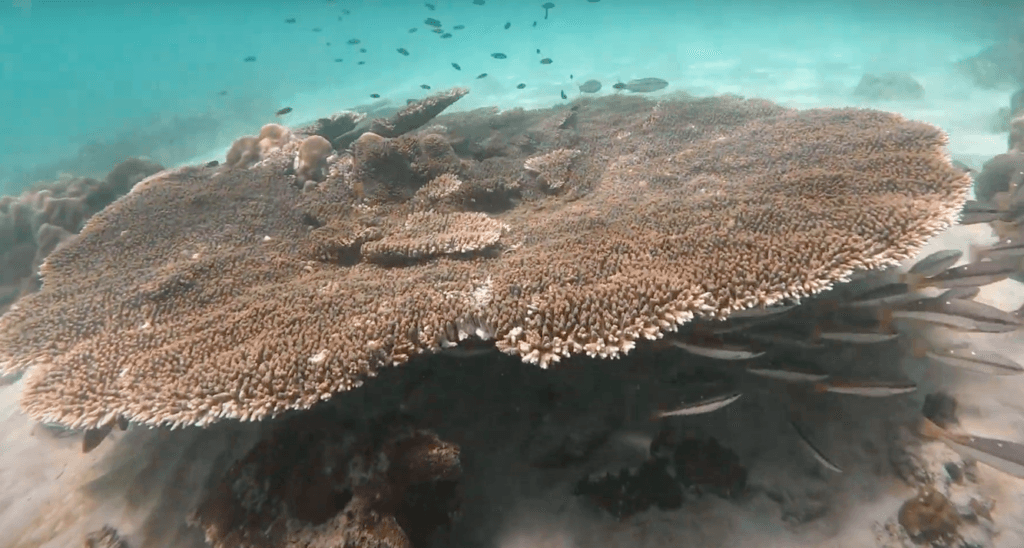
point(424, 86)
point(546, 61)
point(521, 86)
point(590, 86)
point(317, 29)
point(345, 12)
point(564, 96)
point(283, 111)
point(456, 66)
point(211, 163)
point(482, 75)
point(432, 22)
point(328, 43)
point(547, 6)
point(459, 27)
point(223, 93)
point(250, 59)
point(538, 51)
point(362, 50)
point(353, 41)
point(535, 23)
point(478, 2)
point(437, 30)
point(338, 60)
point(429, 6)
point(95, 436)
point(446, 35)
point(412, 30)
point(508, 26)
point(403, 51)
point(375, 95)
point(290, 20)
point(495, 55)
point(361, 63)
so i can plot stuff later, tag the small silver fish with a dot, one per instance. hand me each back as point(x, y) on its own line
point(856, 337)
point(971, 274)
point(719, 352)
point(891, 294)
point(980, 361)
point(966, 292)
point(818, 455)
point(699, 407)
point(761, 312)
point(787, 374)
point(936, 263)
point(1005, 456)
point(975, 212)
point(936, 318)
point(867, 389)
point(782, 337)
point(1008, 249)
point(989, 318)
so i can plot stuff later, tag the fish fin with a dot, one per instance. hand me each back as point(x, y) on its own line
point(930, 430)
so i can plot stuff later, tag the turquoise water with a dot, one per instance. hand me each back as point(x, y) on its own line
point(144, 78)
point(85, 85)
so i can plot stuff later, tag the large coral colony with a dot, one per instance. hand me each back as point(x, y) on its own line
point(712, 231)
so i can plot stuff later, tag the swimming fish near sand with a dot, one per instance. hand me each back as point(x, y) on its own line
point(1005, 456)
point(817, 454)
point(866, 388)
point(936, 263)
point(787, 374)
point(971, 274)
point(719, 351)
point(699, 407)
point(283, 111)
point(642, 85)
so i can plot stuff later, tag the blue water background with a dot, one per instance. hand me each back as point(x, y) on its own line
point(85, 83)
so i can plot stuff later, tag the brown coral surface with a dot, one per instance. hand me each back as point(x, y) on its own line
point(207, 294)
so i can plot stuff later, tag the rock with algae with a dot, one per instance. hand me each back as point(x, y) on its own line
point(319, 481)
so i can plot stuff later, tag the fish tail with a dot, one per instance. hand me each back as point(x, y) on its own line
point(975, 253)
point(919, 347)
point(885, 319)
point(930, 430)
point(1004, 229)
